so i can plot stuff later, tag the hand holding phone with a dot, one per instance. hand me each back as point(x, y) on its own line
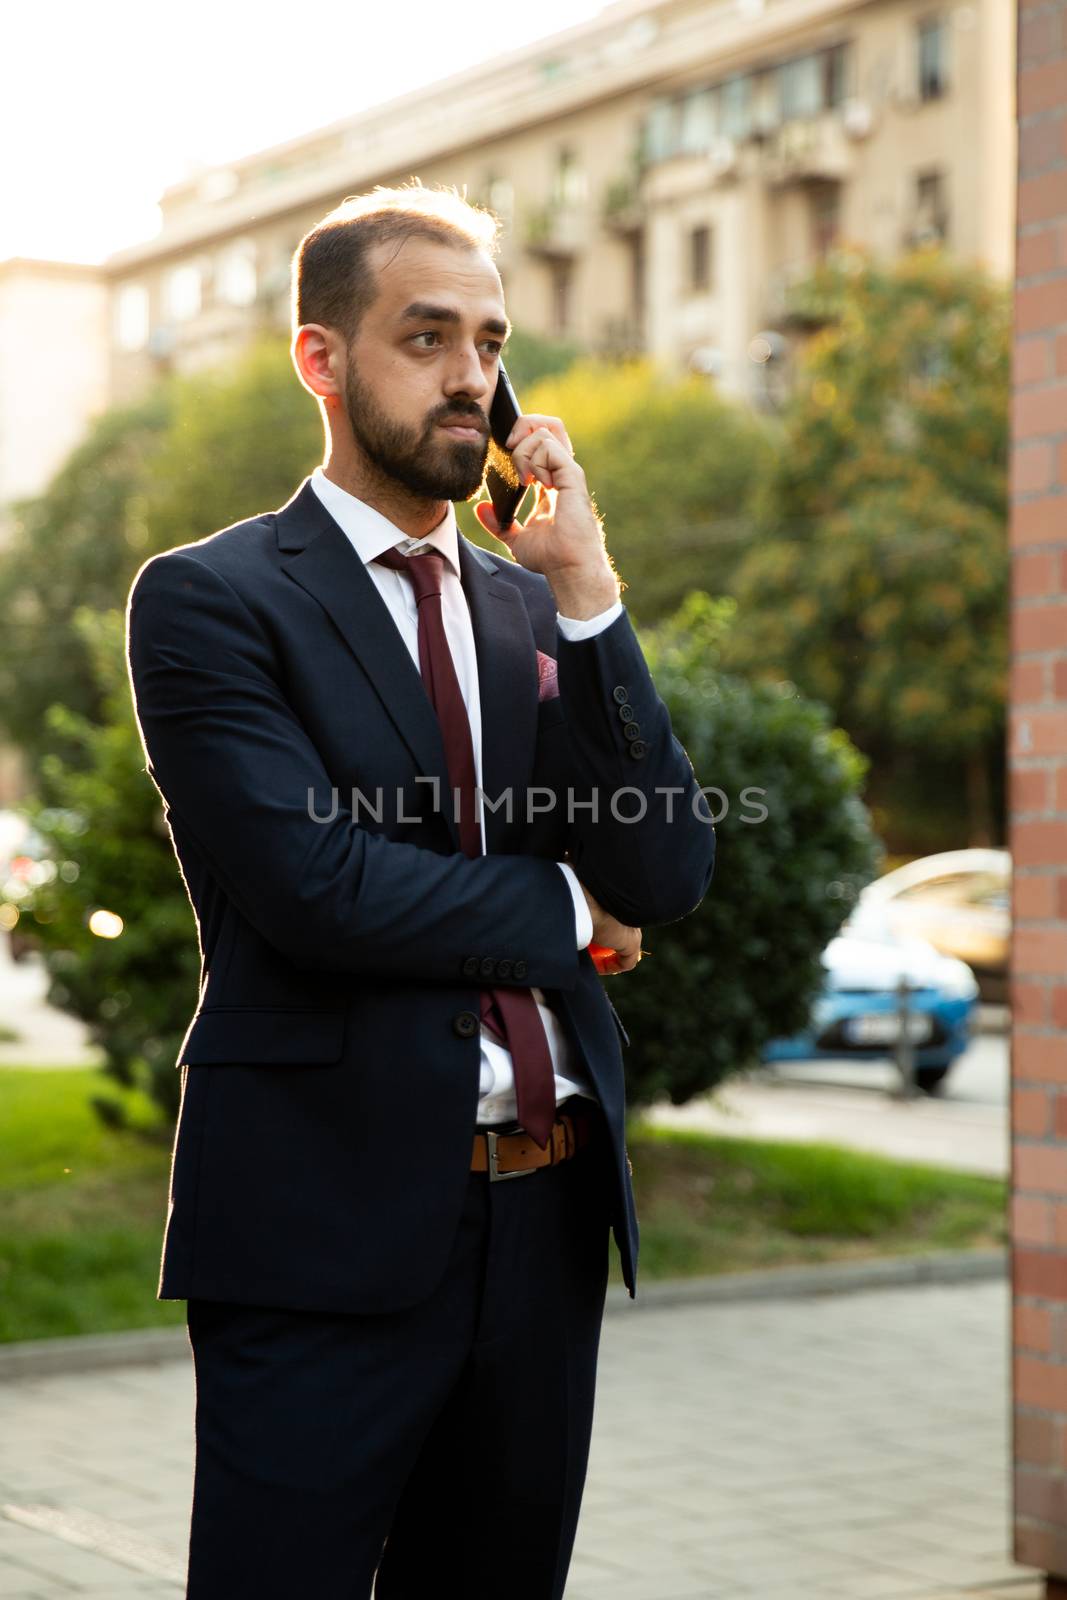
point(562, 537)
point(501, 479)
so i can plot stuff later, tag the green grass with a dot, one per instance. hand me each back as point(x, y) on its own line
point(82, 1207)
point(709, 1204)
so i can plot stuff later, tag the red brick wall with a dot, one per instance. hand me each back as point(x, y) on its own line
point(1038, 769)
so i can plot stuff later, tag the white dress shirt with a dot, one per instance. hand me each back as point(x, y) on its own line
point(370, 534)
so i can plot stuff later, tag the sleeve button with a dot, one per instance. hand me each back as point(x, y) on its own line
point(626, 713)
point(488, 967)
point(638, 749)
point(470, 967)
point(631, 730)
point(519, 970)
point(620, 694)
point(504, 968)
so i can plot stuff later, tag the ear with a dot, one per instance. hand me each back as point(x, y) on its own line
point(316, 353)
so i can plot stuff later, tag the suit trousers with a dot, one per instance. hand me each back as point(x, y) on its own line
point(439, 1449)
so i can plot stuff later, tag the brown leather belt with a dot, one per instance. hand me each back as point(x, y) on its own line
point(513, 1155)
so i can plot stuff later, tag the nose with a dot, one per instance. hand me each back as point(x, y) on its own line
point(467, 375)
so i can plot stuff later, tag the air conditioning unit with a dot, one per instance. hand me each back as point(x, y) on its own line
point(722, 156)
point(857, 118)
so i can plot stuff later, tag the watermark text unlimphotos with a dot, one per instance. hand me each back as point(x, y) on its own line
point(625, 805)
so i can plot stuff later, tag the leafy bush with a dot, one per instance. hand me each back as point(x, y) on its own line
point(745, 966)
point(111, 853)
point(78, 544)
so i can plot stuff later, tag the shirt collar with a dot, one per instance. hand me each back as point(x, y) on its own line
point(370, 532)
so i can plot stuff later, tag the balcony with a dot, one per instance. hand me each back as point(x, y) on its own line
point(622, 212)
point(808, 150)
point(555, 231)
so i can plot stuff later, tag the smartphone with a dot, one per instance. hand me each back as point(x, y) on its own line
point(501, 479)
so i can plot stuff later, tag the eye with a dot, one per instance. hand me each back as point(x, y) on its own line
point(494, 346)
point(428, 334)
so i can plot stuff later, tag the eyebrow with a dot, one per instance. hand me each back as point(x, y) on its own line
point(425, 311)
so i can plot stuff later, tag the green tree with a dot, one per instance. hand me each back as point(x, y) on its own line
point(241, 438)
point(530, 358)
point(673, 467)
point(78, 544)
point(793, 848)
point(110, 852)
point(877, 576)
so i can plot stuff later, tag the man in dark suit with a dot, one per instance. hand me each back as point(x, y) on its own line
point(408, 783)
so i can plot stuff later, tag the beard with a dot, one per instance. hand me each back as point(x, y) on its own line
point(426, 462)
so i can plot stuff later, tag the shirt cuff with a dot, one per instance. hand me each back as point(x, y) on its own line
point(575, 628)
point(583, 921)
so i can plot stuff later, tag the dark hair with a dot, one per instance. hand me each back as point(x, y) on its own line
point(332, 282)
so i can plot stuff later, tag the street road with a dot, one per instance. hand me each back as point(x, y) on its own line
point(965, 1125)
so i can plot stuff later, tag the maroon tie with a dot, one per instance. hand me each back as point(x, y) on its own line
point(511, 1014)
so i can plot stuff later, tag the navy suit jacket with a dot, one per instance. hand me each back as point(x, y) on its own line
point(330, 1073)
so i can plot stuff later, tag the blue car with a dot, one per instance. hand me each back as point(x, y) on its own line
point(856, 1015)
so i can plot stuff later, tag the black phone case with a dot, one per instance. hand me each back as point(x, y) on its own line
point(501, 480)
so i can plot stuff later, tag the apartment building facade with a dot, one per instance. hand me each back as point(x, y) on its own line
point(662, 173)
point(54, 367)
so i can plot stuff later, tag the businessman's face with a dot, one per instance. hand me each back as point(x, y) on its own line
point(422, 368)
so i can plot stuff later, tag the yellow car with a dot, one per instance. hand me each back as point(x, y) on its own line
point(958, 901)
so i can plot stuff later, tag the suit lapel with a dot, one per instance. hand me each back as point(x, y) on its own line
point(319, 557)
point(507, 687)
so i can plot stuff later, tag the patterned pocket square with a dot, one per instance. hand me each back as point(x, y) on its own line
point(547, 677)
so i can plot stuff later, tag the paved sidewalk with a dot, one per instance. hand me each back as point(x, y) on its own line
point(944, 1132)
point(851, 1447)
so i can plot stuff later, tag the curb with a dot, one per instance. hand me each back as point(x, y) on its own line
point(96, 1352)
point(830, 1277)
point(92, 1352)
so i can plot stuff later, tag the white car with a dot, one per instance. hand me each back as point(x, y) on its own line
point(857, 1014)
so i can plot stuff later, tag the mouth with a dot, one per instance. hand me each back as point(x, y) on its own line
point(463, 430)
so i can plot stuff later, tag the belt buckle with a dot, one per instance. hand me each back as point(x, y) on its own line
point(495, 1174)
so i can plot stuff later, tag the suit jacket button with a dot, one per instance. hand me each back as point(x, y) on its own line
point(519, 970)
point(488, 967)
point(504, 968)
point(465, 1024)
point(626, 713)
point(638, 749)
point(470, 967)
point(631, 730)
point(620, 694)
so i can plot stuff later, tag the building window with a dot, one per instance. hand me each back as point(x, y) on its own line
point(637, 281)
point(825, 217)
point(735, 107)
point(568, 184)
point(235, 274)
point(182, 293)
point(500, 196)
point(835, 69)
point(800, 87)
point(699, 260)
point(562, 282)
point(931, 208)
point(932, 52)
point(131, 317)
point(660, 134)
point(698, 121)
